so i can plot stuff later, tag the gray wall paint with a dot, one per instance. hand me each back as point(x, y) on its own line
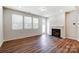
point(10, 34)
point(1, 25)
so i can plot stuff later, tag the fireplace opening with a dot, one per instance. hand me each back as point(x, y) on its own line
point(56, 32)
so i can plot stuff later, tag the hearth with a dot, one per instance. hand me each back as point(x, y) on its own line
point(56, 32)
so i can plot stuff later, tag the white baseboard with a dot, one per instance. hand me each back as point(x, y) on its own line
point(20, 37)
point(1, 43)
point(63, 37)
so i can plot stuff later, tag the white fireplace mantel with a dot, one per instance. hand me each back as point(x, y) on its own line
point(58, 27)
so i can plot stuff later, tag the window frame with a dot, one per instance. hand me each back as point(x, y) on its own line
point(37, 23)
point(12, 22)
point(30, 23)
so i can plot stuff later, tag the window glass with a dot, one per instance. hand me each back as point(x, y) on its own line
point(35, 23)
point(17, 22)
point(27, 22)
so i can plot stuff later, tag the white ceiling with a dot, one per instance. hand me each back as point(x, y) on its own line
point(50, 10)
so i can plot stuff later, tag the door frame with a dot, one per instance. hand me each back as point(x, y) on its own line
point(66, 22)
point(45, 27)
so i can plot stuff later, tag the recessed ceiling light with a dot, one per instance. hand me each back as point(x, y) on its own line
point(43, 8)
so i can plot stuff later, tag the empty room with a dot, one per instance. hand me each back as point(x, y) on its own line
point(39, 29)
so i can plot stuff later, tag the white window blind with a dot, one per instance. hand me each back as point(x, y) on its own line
point(17, 22)
point(35, 23)
point(27, 22)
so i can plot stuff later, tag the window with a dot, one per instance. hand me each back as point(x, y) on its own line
point(17, 22)
point(27, 22)
point(35, 23)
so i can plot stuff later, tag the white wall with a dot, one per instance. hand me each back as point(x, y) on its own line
point(58, 20)
point(1, 25)
point(10, 34)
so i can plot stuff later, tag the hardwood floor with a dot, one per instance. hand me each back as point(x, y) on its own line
point(40, 44)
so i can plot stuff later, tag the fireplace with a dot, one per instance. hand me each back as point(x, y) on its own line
point(56, 32)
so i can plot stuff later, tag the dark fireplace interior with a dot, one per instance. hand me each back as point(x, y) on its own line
point(56, 32)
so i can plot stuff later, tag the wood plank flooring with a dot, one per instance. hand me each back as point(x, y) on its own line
point(40, 44)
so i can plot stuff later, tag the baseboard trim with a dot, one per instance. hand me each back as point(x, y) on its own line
point(72, 39)
point(21, 37)
point(1, 43)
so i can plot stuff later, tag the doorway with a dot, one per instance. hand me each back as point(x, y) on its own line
point(71, 25)
point(44, 26)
